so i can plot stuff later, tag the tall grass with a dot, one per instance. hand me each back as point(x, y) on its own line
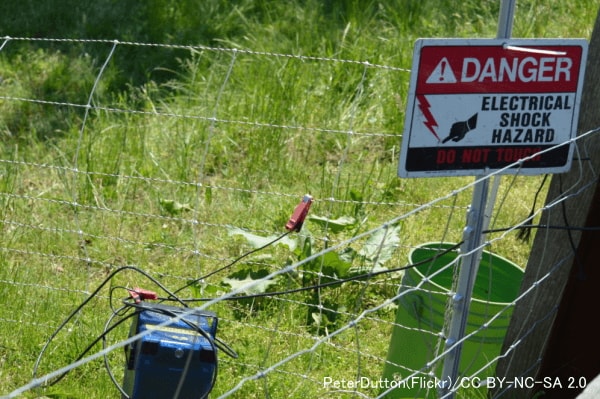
point(127, 187)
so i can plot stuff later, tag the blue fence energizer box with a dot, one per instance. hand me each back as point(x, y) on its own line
point(176, 358)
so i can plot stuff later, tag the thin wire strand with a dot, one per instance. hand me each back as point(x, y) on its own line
point(212, 49)
point(209, 119)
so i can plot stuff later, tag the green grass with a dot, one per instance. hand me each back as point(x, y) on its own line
point(125, 190)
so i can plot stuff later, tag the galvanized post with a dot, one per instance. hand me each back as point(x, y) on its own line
point(477, 222)
point(505, 21)
point(469, 264)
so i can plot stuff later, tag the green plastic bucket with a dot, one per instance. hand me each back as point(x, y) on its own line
point(416, 337)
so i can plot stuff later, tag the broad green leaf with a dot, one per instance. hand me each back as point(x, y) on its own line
point(335, 225)
point(334, 265)
point(381, 246)
point(243, 279)
point(331, 265)
point(200, 289)
point(257, 241)
point(347, 254)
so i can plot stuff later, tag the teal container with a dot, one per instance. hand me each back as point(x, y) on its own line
point(416, 338)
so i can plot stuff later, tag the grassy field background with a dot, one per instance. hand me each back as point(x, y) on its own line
point(186, 147)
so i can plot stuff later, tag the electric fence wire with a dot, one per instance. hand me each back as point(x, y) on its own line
point(140, 307)
point(207, 48)
point(122, 314)
point(524, 227)
point(171, 297)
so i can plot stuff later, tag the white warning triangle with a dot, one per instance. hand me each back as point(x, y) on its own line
point(442, 73)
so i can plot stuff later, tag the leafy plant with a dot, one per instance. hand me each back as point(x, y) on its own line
point(331, 266)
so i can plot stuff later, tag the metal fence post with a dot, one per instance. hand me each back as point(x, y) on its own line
point(477, 221)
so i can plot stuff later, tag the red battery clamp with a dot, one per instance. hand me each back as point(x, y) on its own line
point(297, 218)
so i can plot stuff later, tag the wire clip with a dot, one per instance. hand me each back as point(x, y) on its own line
point(297, 218)
point(140, 294)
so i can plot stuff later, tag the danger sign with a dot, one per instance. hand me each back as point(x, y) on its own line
point(481, 105)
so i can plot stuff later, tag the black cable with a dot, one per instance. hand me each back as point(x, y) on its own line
point(90, 346)
point(214, 342)
point(119, 312)
point(142, 307)
point(374, 274)
point(171, 297)
point(525, 233)
point(576, 259)
point(107, 329)
point(542, 226)
point(227, 266)
point(110, 299)
point(228, 350)
point(330, 283)
point(90, 297)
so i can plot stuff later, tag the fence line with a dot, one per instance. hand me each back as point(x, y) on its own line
point(351, 333)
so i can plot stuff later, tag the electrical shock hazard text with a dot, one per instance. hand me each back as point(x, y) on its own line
point(521, 125)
